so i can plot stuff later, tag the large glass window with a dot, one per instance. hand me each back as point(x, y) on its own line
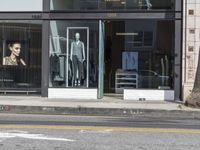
point(139, 54)
point(111, 4)
point(74, 54)
point(20, 55)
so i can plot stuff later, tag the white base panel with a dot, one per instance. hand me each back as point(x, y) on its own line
point(157, 95)
point(72, 93)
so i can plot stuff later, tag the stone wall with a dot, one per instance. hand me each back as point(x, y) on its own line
point(191, 44)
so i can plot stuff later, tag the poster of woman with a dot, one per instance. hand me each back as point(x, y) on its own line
point(14, 53)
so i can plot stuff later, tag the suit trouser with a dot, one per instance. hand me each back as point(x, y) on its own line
point(76, 66)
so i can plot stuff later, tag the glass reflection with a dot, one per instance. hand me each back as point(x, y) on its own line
point(111, 4)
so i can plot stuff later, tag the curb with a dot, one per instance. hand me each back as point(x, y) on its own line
point(126, 112)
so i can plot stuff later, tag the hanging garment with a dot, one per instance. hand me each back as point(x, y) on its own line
point(55, 66)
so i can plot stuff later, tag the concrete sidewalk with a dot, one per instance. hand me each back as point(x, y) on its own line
point(109, 106)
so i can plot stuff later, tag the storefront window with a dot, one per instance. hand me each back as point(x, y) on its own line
point(139, 54)
point(74, 54)
point(20, 55)
point(111, 4)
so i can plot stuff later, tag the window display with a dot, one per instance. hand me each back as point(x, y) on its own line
point(20, 55)
point(140, 55)
point(78, 55)
point(74, 54)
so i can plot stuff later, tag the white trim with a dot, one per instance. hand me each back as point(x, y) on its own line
point(70, 93)
point(157, 95)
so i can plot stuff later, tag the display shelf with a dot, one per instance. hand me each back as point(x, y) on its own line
point(125, 80)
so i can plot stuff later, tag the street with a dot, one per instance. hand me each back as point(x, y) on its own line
point(56, 132)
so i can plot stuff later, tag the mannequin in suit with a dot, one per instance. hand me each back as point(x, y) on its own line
point(77, 57)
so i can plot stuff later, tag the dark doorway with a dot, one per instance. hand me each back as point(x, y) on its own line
point(113, 48)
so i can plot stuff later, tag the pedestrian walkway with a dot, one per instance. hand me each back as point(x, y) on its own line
point(106, 106)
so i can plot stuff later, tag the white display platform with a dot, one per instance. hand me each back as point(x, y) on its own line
point(72, 93)
point(157, 95)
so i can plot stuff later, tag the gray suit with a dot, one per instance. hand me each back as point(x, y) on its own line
point(77, 57)
point(77, 50)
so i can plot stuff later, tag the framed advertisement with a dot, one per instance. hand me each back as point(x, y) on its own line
point(15, 53)
point(77, 63)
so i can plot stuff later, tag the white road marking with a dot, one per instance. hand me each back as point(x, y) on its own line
point(96, 131)
point(23, 134)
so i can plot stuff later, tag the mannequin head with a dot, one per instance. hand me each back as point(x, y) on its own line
point(77, 36)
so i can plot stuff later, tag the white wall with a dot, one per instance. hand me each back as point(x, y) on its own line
point(21, 5)
point(152, 95)
point(71, 93)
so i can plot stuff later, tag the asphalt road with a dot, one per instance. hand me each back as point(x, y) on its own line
point(43, 132)
point(148, 122)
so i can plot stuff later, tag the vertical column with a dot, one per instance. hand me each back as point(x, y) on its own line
point(45, 58)
point(178, 5)
point(101, 61)
point(177, 63)
point(46, 5)
point(45, 49)
point(192, 44)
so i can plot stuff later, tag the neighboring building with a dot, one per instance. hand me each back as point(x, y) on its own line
point(86, 48)
point(191, 44)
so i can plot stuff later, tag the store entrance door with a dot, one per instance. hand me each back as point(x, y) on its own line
point(113, 46)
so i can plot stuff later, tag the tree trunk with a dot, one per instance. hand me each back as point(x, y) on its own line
point(194, 98)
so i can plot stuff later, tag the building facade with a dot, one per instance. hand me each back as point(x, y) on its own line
point(88, 48)
point(191, 44)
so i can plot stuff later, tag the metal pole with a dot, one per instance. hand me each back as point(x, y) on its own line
point(101, 61)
